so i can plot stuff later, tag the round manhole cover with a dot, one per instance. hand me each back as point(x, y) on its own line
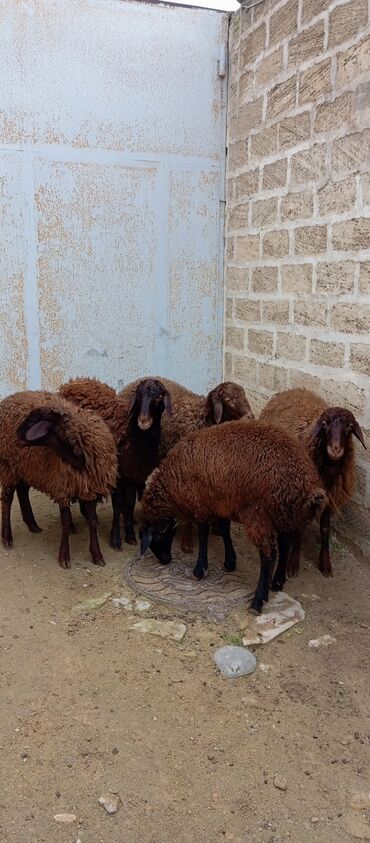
point(218, 593)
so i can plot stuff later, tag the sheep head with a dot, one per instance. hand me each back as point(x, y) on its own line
point(158, 536)
point(48, 427)
point(149, 400)
point(332, 430)
point(227, 402)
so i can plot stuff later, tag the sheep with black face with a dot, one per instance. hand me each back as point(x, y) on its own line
point(135, 422)
point(190, 411)
point(327, 434)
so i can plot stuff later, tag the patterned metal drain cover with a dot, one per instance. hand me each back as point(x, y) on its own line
point(218, 593)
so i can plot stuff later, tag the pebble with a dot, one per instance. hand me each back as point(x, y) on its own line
point(24, 755)
point(323, 641)
point(280, 782)
point(109, 802)
point(67, 819)
point(360, 801)
point(315, 820)
point(115, 750)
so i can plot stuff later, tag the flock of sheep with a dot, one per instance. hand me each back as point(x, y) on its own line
point(188, 458)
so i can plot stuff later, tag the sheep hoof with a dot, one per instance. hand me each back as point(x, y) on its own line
point(130, 540)
point(230, 566)
point(198, 573)
point(276, 585)
point(256, 606)
point(116, 542)
point(35, 529)
point(99, 561)
point(8, 542)
point(64, 563)
point(326, 572)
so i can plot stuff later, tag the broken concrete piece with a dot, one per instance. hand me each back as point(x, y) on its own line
point(67, 819)
point(165, 629)
point(277, 616)
point(323, 641)
point(92, 603)
point(234, 661)
point(109, 802)
point(122, 603)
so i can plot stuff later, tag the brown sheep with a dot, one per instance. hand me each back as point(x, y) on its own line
point(135, 422)
point(75, 458)
point(227, 402)
point(326, 432)
point(244, 472)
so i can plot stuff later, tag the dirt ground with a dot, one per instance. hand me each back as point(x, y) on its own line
point(88, 706)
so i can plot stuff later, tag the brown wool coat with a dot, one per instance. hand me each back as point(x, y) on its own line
point(41, 467)
point(241, 471)
point(296, 411)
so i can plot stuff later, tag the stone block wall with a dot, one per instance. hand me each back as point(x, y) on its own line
point(298, 209)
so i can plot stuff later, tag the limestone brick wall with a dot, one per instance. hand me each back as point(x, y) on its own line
point(298, 209)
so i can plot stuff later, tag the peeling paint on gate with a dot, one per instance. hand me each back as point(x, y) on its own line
point(112, 150)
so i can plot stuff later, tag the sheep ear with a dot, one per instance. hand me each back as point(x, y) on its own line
point(317, 427)
point(146, 540)
point(357, 432)
point(167, 403)
point(132, 405)
point(38, 425)
point(217, 410)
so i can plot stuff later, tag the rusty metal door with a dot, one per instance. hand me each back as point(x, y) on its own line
point(112, 146)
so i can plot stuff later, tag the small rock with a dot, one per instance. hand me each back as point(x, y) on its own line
point(67, 819)
point(165, 629)
point(122, 603)
point(24, 755)
point(211, 758)
point(235, 661)
point(280, 782)
point(360, 801)
point(92, 602)
point(109, 802)
point(115, 750)
point(142, 605)
point(315, 820)
point(323, 641)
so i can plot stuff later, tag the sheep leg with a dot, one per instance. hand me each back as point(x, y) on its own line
point(284, 545)
point(268, 554)
point(129, 500)
point(65, 520)
point(96, 554)
point(230, 555)
point(7, 496)
point(202, 561)
point(325, 563)
point(115, 533)
point(82, 505)
point(26, 508)
point(295, 555)
point(187, 538)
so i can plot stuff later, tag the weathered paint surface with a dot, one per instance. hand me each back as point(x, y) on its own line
point(111, 175)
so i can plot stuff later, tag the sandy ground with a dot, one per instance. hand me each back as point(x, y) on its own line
point(88, 706)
